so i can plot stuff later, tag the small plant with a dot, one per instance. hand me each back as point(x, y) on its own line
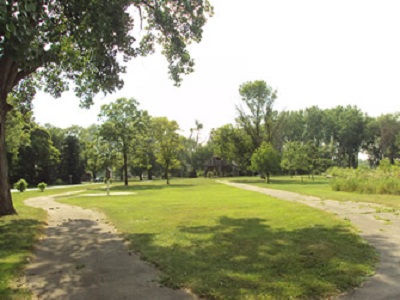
point(80, 266)
point(41, 186)
point(21, 185)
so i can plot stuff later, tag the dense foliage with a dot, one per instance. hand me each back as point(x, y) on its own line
point(132, 143)
point(49, 44)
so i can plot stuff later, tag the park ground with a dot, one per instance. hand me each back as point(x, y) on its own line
point(208, 238)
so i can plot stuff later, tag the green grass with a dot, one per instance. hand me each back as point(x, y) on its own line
point(226, 243)
point(18, 234)
point(320, 187)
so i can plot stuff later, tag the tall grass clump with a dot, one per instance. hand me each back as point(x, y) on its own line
point(383, 180)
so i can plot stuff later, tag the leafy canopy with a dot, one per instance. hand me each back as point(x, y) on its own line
point(88, 41)
point(266, 159)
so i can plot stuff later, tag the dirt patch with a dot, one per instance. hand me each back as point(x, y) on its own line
point(381, 229)
point(81, 256)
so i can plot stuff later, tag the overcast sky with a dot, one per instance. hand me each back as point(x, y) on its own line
point(324, 53)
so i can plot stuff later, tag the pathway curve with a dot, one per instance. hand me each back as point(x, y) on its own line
point(82, 257)
point(381, 230)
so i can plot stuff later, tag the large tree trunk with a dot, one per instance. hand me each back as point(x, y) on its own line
point(125, 167)
point(166, 173)
point(8, 79)
point(94, 175)
point(268, 180)
point(6, 204)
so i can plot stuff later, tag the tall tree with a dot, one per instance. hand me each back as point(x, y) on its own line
point(167, 143)
point(38, 160)
point(293, 126)
point(389, 125)
point(372, 141)
point(344, 127)
point(192, 146)
point(123, 124)
point(94, 150)
point(313, 122)
point(72, 168)
point(257, 117)
point(82, 41)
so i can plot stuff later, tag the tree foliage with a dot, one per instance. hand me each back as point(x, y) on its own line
point(167, 143)
point(258, 118)
point(49, 44)
point(123, 125)
point(71, 165)
point(265, 160)
point(232, 144)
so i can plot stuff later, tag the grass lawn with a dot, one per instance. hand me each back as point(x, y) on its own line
point(17, 236)
point(225, 243)
point(320, 187)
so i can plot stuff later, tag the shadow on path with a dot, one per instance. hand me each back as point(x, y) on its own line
point(82, 257)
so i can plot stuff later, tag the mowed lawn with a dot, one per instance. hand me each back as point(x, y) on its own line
point(225, 243)
point(319, 187)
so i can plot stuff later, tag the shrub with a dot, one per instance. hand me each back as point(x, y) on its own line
point(21, 185)
point(41, 186)
point(200, 173)
point(384, 180)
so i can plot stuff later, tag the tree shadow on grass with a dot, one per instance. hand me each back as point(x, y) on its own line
point(239, 258)
point(17, 238)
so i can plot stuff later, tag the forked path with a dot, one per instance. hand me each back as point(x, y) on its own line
point(82, 257)
point(381, 230)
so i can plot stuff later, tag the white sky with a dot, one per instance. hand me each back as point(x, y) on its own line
point(314, 52)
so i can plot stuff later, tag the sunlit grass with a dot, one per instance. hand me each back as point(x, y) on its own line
point(319, 187)
point(226, 243)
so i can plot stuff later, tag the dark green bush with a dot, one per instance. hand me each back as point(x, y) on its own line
point(21, 185)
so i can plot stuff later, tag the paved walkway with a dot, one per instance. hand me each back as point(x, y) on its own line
point(381, 230)
point(82, 257)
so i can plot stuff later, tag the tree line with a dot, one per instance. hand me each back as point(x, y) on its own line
point(306, 141)
point(130, 142)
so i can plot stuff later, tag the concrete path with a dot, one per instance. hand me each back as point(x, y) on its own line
point(380, 229)
point(82, 257)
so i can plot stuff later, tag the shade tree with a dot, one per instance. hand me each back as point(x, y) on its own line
point(168, 144)
point(256, 115)
point(48, 44)
point(72, 168)
point(123, 124)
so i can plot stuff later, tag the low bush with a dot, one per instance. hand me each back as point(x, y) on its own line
point(21, 185)
point(41, 186)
